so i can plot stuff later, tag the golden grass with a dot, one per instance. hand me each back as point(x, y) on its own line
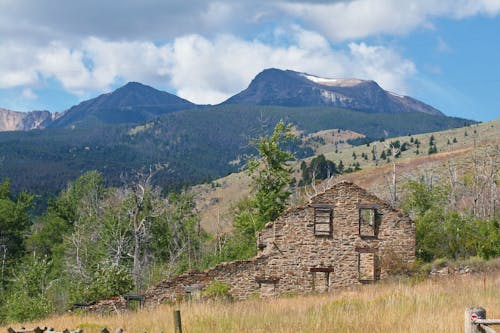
point(429, 306)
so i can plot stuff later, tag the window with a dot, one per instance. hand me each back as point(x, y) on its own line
point(367, 265)
point(321, 278)
point(323, 220)
point(267, 286)
point(368, 225)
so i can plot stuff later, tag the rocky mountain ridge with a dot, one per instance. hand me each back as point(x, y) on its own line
point(294, 89)
point(25, 121)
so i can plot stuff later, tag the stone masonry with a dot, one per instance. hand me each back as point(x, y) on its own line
point(343, 237)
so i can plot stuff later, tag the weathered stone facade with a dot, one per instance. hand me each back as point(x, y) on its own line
point(343, 237)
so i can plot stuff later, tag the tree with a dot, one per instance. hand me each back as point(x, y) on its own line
point(14, 226)
point(394, 149)
point(27, 298)
point(271, 175)
point(319, 168)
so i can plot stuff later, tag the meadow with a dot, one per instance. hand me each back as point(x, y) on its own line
point(432, 305)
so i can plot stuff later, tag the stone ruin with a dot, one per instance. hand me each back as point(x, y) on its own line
point(343, 237)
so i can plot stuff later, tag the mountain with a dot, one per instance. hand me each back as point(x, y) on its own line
point(293, 89)
point(193, 145)
point(131, 104)
point(24, 121)
point(137, 126)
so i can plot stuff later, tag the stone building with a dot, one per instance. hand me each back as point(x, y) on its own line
point(343, 237)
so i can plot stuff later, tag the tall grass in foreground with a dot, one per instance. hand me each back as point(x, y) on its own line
point(429, 306)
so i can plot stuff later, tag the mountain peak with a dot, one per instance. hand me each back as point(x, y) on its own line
point(132, 103)
point(274, 86)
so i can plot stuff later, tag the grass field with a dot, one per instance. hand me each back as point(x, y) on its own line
point(430, 306)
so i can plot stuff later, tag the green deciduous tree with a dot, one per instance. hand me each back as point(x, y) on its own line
point(442, 232)
point(271, 174)
point(27, 297)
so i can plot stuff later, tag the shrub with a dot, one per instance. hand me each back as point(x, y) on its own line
point(217, 291)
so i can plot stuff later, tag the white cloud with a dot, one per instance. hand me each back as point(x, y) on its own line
point(16, 65)
point(65, 65)
point(381, 64)
point(204, 70)
point(363, 18)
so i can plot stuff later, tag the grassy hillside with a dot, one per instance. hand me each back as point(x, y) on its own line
point(430, 306)
point(215, 198)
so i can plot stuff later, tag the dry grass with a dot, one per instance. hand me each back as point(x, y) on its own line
point(429, 306)
point(214, 201)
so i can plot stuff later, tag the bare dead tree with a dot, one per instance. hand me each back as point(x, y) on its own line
point(454, 183)
point(392, 184)
point(484, 180)
point(141, 212)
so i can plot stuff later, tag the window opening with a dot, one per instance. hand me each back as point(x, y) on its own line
point(321, 278)
point(323, 220)
point(367, 222)
point(366, 266)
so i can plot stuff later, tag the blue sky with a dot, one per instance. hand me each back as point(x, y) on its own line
point(56, 53)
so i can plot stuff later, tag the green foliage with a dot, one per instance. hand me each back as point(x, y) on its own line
point(421, 197)
point(107, 280)
point(318, 168)
point(14, 226)
point(217, 291)
point(197, 144)
point(27, 297)
point(444, 233)
point(432, 146)
point(271, 175)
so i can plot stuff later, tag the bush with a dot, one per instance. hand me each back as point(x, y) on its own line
point(217, 291)
point(108, 280)
point(27, 299)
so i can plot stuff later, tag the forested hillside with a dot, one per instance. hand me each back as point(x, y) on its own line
point(192, 146)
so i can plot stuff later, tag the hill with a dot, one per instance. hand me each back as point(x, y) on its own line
point(454, 149)
point(289, 88)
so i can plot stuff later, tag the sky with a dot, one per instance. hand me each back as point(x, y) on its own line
point(57, 53)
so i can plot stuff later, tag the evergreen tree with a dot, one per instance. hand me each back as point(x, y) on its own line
point(14, 226)
point(272, 174)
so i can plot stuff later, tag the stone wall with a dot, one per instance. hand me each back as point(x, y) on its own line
point(301, 252)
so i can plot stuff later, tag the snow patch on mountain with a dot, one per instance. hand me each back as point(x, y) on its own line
point(332, 82)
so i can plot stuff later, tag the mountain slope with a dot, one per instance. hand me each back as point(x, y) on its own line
point(136, 126)
point(289, 88)
point(24, 121)
point(455, 147)
point(133, 103)
point(195, 145)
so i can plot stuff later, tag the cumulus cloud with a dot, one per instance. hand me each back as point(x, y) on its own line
point(363, 18)
point(184, 46)
point(200, 69)
point(43, 21)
